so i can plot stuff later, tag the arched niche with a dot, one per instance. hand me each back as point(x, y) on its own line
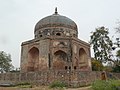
point(82, 56)
point(33, 59)
point(59, 60)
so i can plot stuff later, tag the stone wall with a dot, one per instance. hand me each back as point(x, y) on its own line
point(72, 78)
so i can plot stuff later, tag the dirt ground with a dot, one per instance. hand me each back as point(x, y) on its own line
point(43, 88)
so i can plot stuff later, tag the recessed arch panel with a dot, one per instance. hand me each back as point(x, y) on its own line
point(59, 60)
point(33, 59)
point(82, 56)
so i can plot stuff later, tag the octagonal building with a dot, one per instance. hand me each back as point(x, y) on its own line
point(55, 47)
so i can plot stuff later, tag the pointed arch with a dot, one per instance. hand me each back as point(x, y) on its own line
point(59, 60)
point(82, 56)
point(60, 55)
point(33, 58)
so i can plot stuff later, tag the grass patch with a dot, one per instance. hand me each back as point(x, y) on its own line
point(24, 85)
point(105, 85)
point(58, 84)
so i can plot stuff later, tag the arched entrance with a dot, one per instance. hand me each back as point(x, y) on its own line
point(82, 58)
point(33, 59)
point(59, 60)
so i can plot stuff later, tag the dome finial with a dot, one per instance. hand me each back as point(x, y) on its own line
point(56, 11)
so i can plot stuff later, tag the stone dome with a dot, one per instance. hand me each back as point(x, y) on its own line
point(56, 20)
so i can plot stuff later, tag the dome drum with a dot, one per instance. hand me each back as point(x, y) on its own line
point(59, 31)
point(54, 25)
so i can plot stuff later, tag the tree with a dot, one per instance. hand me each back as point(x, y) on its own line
point(5, 62)
point(96, 65)
point(15, 70)
point(118, 42)
point(102, 45)
point(116, 68)
point(118, 54)
point(118, 27)
point(118, 39)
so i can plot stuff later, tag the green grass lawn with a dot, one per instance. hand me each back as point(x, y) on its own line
point(105, 85)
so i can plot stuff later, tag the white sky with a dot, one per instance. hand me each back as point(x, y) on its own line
point(18, 19)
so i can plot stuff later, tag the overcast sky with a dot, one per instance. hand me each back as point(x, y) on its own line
point(18, 19)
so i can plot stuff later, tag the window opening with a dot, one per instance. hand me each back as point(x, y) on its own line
point(58, 34)
point(69, 68)
point(75, 67)
point(40, 35)
point(65, 67)
point(74, 35)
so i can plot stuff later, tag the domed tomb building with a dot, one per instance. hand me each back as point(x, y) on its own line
point(55, 47)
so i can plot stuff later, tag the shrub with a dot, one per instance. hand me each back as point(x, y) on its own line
point(105, 85)
point(24, 85)
point(115, 83)
point(58, 84)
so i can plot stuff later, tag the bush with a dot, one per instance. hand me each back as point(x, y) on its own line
point(105, 85)
point(97, 65)
point(116, 69)
point(115, 83)
point(58, 84)
point(24, 85)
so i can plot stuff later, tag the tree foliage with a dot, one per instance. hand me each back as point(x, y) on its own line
point(102, 45)
point(118, 27)
point(118, 54)
point(116, 68)
point(96, 65)
point(5, 62)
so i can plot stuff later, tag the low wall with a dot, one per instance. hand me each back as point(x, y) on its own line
point(72, 78)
